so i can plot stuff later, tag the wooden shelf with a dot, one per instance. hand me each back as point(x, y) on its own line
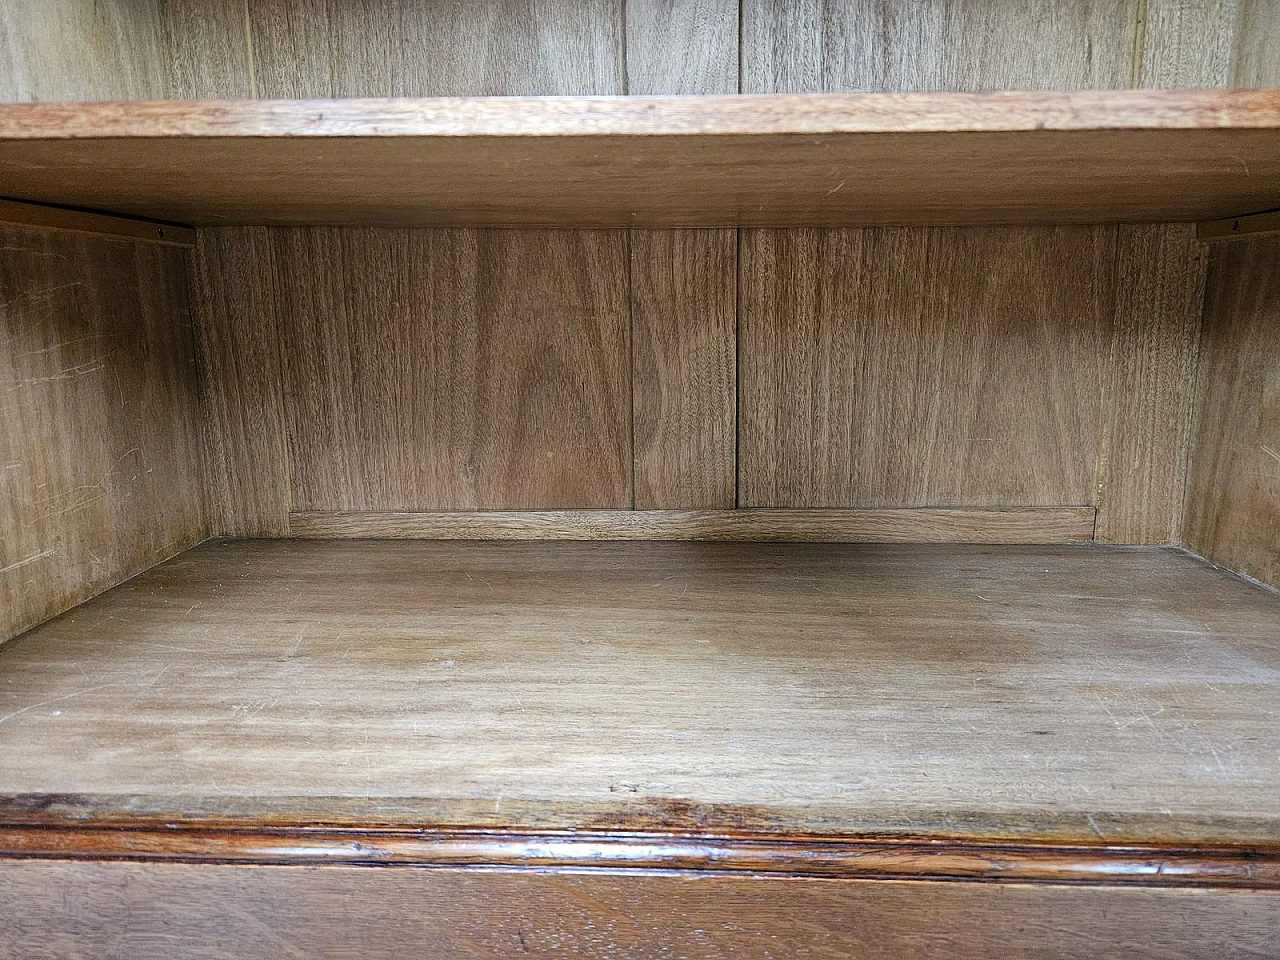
point(1008, 695)
point(821, 160)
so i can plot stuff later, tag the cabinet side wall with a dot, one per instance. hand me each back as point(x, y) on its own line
point(99, 454)
point(1234, 504)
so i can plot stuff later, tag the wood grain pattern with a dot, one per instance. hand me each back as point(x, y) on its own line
point(141, 911)
point(684, 47)
point(822, 46)
point(588, 680)
point(99, 456)
point(1234, 507)
point(80, 50)
point(1151, 395)
point(1257, 34)
point(926, 525)
point(683, 284)
point(242, 384)
point(93, 224)
point(825, 46)
point(76, 50)
point(1209, 43)
point(459, 370)
point(922, 367)
point(636, 162)
point(927, 858)
point(206, 49)
point(404, 48)
point(1185, 44)
point(684, 360)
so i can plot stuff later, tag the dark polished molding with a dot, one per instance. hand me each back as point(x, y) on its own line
point(896, 858)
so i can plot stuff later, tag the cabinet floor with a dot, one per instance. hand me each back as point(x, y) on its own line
point(821, 689)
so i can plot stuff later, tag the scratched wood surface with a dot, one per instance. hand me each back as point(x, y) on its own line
point(181, 912)
point(99, 449)
point(1234, 507)
point(1044, 683)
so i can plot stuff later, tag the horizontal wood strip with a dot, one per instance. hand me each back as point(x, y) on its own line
point(777, 160)
point(901, 859)
point(904, 525)
point(16, 213)
point(174, 911)
point(1079, 110)
point(1250, 227)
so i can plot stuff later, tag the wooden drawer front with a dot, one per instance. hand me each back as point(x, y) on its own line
point(144, 910)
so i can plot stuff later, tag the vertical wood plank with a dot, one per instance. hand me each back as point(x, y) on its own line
point(246, 454)
point(682, 47)
point(1255, 57)
point(99, 450)
point(683, 283)
point(828, 46)
point(206, 45)
point(922, 367)
point(1151, 397)
point(1234, 507)
point(402, 48)
point(1185, 44)
point(684, 318)
point(456, 369)
point(80, 50)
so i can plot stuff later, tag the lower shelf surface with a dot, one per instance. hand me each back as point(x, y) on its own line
point(1058, 696)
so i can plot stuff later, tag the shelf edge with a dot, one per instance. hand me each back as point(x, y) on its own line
point(729, 115)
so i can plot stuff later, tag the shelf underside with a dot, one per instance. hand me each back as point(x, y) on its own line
point(821, 160)
point(1066, 693)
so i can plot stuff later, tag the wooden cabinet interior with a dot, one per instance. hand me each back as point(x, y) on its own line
point(962, 387)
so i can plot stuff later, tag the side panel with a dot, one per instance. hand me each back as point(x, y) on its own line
point(1233, 514)
point(99, 450)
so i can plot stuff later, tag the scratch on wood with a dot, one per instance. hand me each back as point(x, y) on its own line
point(31, 559)
point(69, 696)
